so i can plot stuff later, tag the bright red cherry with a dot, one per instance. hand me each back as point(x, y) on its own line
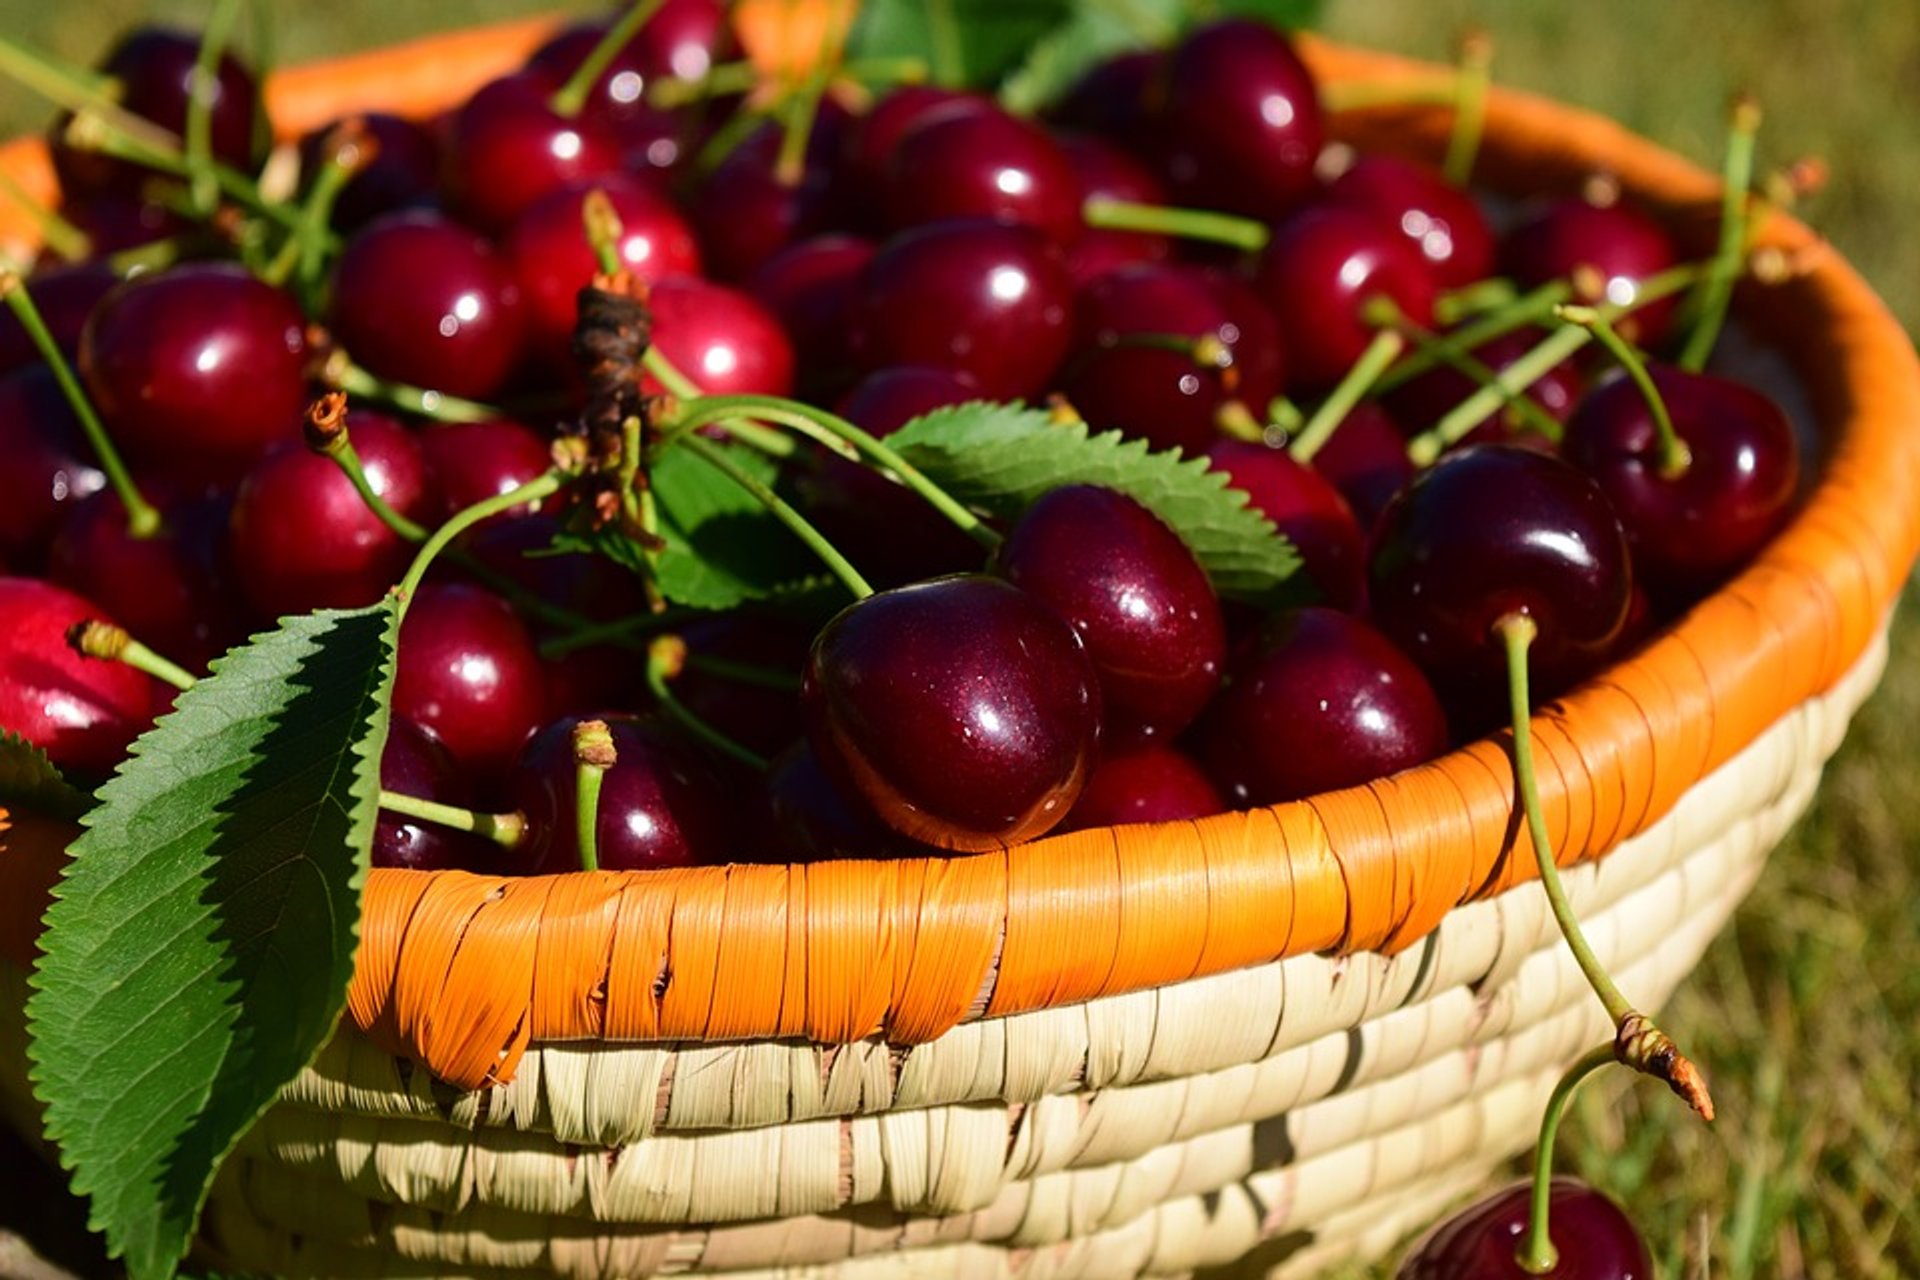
point(963, 711)
point(1443, 222)
point(1616, 244)
point(49, 467)
point(506, 147)
point(721, 338)
point(473, 461)
point(963, 161)
point(469, 672)
point(415, 764)
point(1146, 782)
point(1594, 1237)
point(81, 711)
point(1306, 508)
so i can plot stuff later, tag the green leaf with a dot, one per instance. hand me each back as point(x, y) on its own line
point(1094, 31)
point(983, 40)
point(1291, 14)
point(1002, 457)
point(198, 949)
point(30, 782)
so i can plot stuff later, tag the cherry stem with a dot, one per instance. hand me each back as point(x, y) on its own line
point(143, 518)
point(946, 45)
point(203, 189)
point(95, 639)
point(623, 632)
point(666, 658)
point(1206, 225)
point(1532, 307)
point(571, 98)
point(349, 148)
point(80, 91)
point(593, 755)
point(722, 80)
point(343, 373)
point(803, 107)
point(505, 829)
point(1716, 291)
point(1233, 419)
point(744, 673)
point(1470, 107)
point(715, 456)
point(1478, 298)
point(326, 432)
point(1521, 405)
point(539, 488)
point(59, 235)
point(1674, 456)
point(1536, 1254)
point(1440, 89)
point(1332, 411)
point(1284, 416)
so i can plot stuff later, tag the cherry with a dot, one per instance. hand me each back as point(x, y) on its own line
point(1325, 702)
point(719, 337)
point(811, 287)
point(1691, 528)
point(473, 461)
point(1490, 531)
point(403, 173)
point(552, 259)
point(302, 538)
point(81, 711)
point(1422, 401)
point(1443, 222)
point(1102, 169)
point(421, 299)
point(203, 361)
point(468, 672)
point(1137, 596)
point(983, 299)
point(506, 147)
point(49, 467)
point(1318, 273)
point(813, 820)
point(1366, 460)
point(966, 161)
point(963, 711)
point(747, 210)
point(1616, 243)
point(1595, 1238)
point(64, 296)
point(1111, 98)
point(113, 223)
point(1307, 509)
point(1240, 126)
point(762, 719)
point(869, 145)
point(1145, 782)
point(416, 764)
point(662, 804)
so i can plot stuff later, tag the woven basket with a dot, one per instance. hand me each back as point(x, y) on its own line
point(1254, 1043)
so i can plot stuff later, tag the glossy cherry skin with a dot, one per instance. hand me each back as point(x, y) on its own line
point(721, 338)
point(1325, 702)
point(810, 287)
point(662, 804)
point(203, 361)
point(552, 260)
point(1443, 222)
point(963, 711)
point(1307, 509)
point(1366, 460)
point(470, 462)
point(64, 296)
point(423, 300)
point(1318, 273)
point(869, 145)
point(415, 764)
point(1135, 593)
point(747, 210)
point(1101, 168)
point(1241, 125)
point(990, 301)
point(1690, 530)
point(403, 174)
point(303, 539)
point(1145, 782)
point(1594, 1237)
point(81, 711)
point(468, 671)
point(967, 162)
point(506, 147)
point(1489, 531)
point(1618, 242)
point(49, 468)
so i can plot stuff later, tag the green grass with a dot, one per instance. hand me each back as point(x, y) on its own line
point(1807, 1010)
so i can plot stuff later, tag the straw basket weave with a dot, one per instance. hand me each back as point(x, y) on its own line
point(1253, 1043)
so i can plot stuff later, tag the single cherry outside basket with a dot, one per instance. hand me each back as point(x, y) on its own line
point(1258, 1042)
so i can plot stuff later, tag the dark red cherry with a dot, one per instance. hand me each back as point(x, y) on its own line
point(415, 764)
point(1325, 702)
point(506, 147)
point(81, 711)
point(661, 805)
point(967, 162)
point(423, 300)
point(1112, 98)
point(1691, 529)
point(990, 301)
point(1616, 244)
point(963, 711)
point(403, 174)
point(1306, 508)
point(112, 223)
point(470, 462)
point(721, 338)
point(1321, 269)
point(552, 260)
point(1134, 592)
point(49, 467)
point(757, 716)
point(1422, 401)
point(1101, 168)
point(1366, 460)
point(1443, 222)
point(154, 71)
point(1594, 1237)
point(203, 361)
point(1240, 126)
point(468, 671)
point(1146, 782)
point(811, 287)
point(813, 820)
point(747, 210)
point(302, 538)
point(1490, 531)
point(871, 142)
point(64, 296)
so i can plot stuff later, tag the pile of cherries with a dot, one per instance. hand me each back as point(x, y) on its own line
point(887, 251)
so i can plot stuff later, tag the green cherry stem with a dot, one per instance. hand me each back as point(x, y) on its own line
point(1532, 307)
point(945, 44)
point(1518, 403)
point(80, 91)
point(1674, 456)
point(666, 659)
point(1470, 107)
point(1716, 291)
point(1190, 224)
point(1438, 90)
point(347, 150)
point(1478, 298)
point(90, 130)
point(716, 457)
point(593, 755)
point(802, 108)
point(59, 235)
point(326, 433)
point(505, 829)
point(1332, 411)
point(1536, 1254)
point(571, 98)
point(203, 188)
point(143, 518)
point(342, 373)
point(103, 640)
point(721, 81)
point(537, 489)
point(744, 673)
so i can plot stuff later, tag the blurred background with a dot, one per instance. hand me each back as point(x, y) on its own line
point(1807, 1011)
